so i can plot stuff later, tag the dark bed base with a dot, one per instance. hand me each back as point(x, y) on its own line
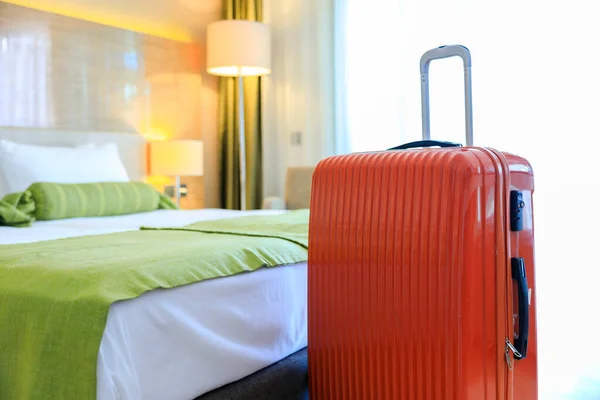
point(284, 380)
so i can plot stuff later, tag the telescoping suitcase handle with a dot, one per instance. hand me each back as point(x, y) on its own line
point(436, 54)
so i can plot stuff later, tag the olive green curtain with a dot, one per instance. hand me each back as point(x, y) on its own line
point(229, 124)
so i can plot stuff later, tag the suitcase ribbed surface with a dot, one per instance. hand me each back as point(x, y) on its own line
point(385, 270)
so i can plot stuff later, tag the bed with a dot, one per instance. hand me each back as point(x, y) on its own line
point(241, 336)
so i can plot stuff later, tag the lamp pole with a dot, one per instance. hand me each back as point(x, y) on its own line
point(177, 191)
point(242, 139)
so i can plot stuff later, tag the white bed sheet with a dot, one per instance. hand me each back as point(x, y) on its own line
point(181, 343)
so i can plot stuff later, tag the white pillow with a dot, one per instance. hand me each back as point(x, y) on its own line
point(21, 165)
point(3, 186)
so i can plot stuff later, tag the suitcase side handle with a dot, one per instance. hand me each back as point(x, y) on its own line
point(425, 143)
point(437, 54)
point(519, 274)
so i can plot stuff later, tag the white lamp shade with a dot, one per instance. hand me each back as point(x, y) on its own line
point(177, 158)
point(238, 48)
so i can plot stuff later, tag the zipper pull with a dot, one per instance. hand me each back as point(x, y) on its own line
point(509, 346)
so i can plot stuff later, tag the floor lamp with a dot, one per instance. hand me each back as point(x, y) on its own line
point(238, 48)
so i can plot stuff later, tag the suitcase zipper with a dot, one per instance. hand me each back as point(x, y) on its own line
point(506, 374)
point(516, 354)
point(509, 347)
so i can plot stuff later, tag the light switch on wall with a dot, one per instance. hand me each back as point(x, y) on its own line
point(296, 138)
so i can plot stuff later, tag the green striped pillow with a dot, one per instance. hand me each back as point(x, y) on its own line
point(59, 201)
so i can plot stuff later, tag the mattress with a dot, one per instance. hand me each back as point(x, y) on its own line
point(181, 343)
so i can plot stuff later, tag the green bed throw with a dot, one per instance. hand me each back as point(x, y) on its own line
point(55, 295)
point(44, 201)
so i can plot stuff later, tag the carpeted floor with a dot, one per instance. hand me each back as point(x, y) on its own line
point(284, 380)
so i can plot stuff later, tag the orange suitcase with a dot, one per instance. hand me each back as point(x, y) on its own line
point(421, 278)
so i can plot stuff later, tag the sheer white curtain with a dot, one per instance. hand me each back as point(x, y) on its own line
point(536, 92)
point(24, 86)
point(298, 96)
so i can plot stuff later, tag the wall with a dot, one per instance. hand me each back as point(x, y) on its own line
point(298, 112)
point(59, 72)
point(180, 20)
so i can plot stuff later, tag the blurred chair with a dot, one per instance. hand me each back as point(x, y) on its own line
point(298, 182)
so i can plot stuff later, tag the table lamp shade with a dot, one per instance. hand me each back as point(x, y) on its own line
point(177, 158)
point(238, 48)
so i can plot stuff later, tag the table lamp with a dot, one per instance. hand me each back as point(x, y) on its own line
point(238, 48)
point(177, 158)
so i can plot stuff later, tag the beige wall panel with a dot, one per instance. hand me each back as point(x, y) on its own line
point(59, 72)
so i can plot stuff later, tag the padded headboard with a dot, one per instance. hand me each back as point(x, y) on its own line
point(132, 146)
